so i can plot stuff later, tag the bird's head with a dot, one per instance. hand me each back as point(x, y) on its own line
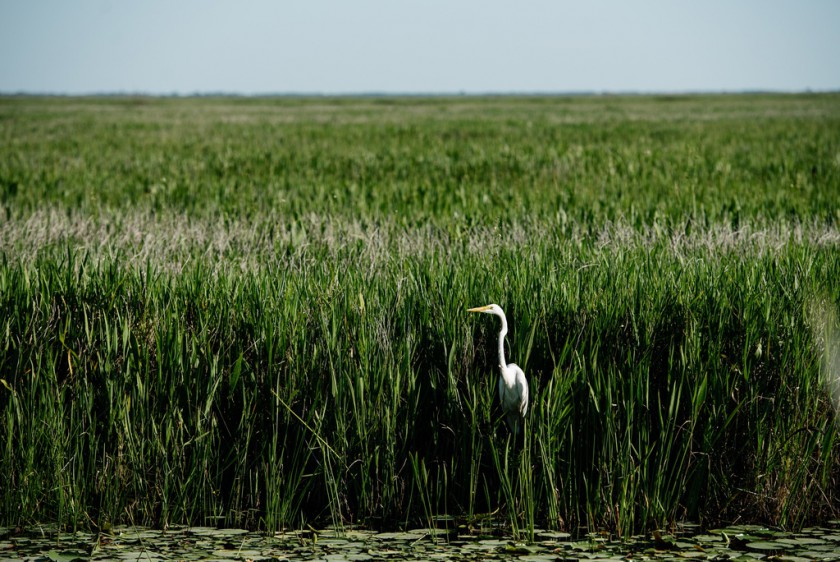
point(489, 309)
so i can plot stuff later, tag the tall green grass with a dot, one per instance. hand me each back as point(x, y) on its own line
point(716, 159)
point(253, 312)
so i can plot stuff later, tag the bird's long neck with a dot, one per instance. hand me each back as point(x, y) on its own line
point(502, 334)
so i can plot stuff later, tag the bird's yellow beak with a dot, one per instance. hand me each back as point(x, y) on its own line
point(479, 309)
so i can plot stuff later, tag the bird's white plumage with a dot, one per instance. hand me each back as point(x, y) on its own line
point(513, 387)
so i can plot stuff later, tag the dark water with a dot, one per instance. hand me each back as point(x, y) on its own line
point(205, 543)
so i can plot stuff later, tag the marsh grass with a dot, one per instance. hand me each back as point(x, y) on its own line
point(253, 312)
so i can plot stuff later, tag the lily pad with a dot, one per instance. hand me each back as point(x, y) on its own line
point(709, 538)
point(801, 541)
point(555, 535)
point(816, 555)
point(410, 536)
point(359, 534)
point(240, 554)
point(139, 555)
point(67, 555)
point(139, 535)
point(768, 547)
point(224, 532)
point(512, 548)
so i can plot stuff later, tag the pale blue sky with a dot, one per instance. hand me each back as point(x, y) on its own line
point(414, 46)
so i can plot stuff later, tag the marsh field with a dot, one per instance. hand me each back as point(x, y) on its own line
point(252, 312)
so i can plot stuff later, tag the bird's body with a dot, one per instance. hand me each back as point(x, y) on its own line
point(513, 388)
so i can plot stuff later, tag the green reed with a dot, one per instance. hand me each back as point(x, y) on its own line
point(262, 321)
point(665, 384)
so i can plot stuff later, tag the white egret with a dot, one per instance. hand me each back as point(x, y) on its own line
point(513, 388)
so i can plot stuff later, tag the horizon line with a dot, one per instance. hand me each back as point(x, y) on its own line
point(417, 94)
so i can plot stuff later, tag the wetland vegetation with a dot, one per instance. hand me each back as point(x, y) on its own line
point(253, 312)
